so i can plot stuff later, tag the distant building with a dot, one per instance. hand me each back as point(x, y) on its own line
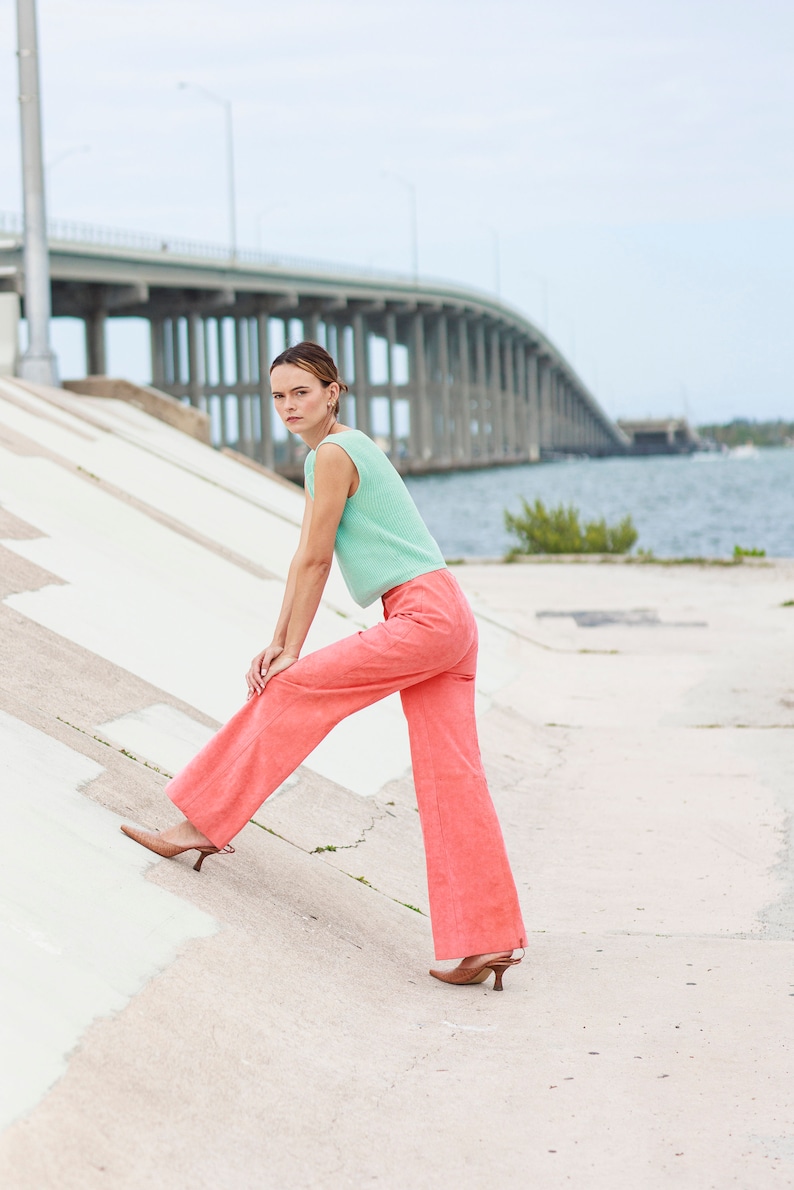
point(661, 436)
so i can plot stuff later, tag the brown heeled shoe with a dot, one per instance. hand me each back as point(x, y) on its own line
point(152, 841)
point(467, 975)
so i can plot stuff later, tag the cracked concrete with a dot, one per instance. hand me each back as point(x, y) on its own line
point(643, 1042)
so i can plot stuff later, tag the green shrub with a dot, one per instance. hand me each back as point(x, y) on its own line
point(738, 552)
point(542, 530)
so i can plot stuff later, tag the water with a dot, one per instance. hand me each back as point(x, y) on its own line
point(682, 505)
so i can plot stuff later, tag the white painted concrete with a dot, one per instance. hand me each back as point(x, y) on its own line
point(131, 583)
point(81, 932)
point(160, 733)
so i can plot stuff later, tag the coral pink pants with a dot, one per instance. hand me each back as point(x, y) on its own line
point(426, 648)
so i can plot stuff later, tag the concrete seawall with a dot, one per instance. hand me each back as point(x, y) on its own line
point(269, 1021)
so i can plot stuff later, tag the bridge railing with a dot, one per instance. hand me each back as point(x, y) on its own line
point(72, 231)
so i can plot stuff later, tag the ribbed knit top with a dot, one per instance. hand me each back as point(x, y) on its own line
point(382, 540)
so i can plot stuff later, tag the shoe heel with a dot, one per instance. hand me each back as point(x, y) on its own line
point(202, 856)
point(498, 971)
point(205, 851)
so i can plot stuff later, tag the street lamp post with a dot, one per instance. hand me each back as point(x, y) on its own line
point(227, 106)
point(38, 363)
point(387, 173)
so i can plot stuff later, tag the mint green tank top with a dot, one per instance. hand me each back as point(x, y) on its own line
point(381, 541)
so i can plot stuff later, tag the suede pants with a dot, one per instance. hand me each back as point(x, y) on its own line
point(427, 649)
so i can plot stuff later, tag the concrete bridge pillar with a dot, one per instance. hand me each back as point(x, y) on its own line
point(556, 412)
point(95, 343)
point(546, 411)
point(265, 356)
point(419, 436)
point(495, 388)
point(242, 380)
point(565, 410)
point(481, 382)
point(156, 342)
point(565, 413)
point(522, 411)
point(391, 342)
point(533, 410)
point(463, 405)
point(584, 424)
point(432, 407)
point(340, 354)
point(311, 326)
point(445, 404)
point(361, 369)
point(510, 395)
point(220, 400)
point(194, 376)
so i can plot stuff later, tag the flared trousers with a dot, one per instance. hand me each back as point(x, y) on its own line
point(426, 647)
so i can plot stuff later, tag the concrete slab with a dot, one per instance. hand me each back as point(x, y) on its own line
point(81, 934)
point(164, 735)
point(642, 775)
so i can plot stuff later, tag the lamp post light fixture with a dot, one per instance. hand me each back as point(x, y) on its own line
point(226, 104)
point(38, 362)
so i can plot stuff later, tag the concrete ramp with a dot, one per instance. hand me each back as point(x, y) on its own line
point(269, 1022)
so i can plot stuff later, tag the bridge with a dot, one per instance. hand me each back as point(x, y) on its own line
point(443, 376)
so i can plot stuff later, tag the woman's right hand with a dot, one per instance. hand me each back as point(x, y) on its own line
point(259, 667)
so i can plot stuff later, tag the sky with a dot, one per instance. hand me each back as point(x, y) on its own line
point(621, 172)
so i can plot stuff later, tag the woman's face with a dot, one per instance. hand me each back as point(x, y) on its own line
point(303, 402)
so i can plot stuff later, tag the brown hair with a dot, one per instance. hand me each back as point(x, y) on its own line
point(315, 359)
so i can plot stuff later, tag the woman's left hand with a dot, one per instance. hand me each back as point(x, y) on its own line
point(277, 666)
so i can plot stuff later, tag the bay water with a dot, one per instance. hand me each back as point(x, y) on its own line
point(682, 505)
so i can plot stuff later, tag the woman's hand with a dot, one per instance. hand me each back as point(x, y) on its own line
point(282, 662)
point(260, 669)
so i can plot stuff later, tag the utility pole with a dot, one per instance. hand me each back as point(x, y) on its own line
point(38, 363)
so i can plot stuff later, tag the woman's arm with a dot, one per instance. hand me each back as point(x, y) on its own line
point(334, 474)
point(261, 663)
point(280, 631)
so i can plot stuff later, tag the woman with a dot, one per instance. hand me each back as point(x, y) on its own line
point(358, 507)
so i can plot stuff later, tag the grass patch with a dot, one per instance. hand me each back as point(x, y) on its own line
point(648, 556)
